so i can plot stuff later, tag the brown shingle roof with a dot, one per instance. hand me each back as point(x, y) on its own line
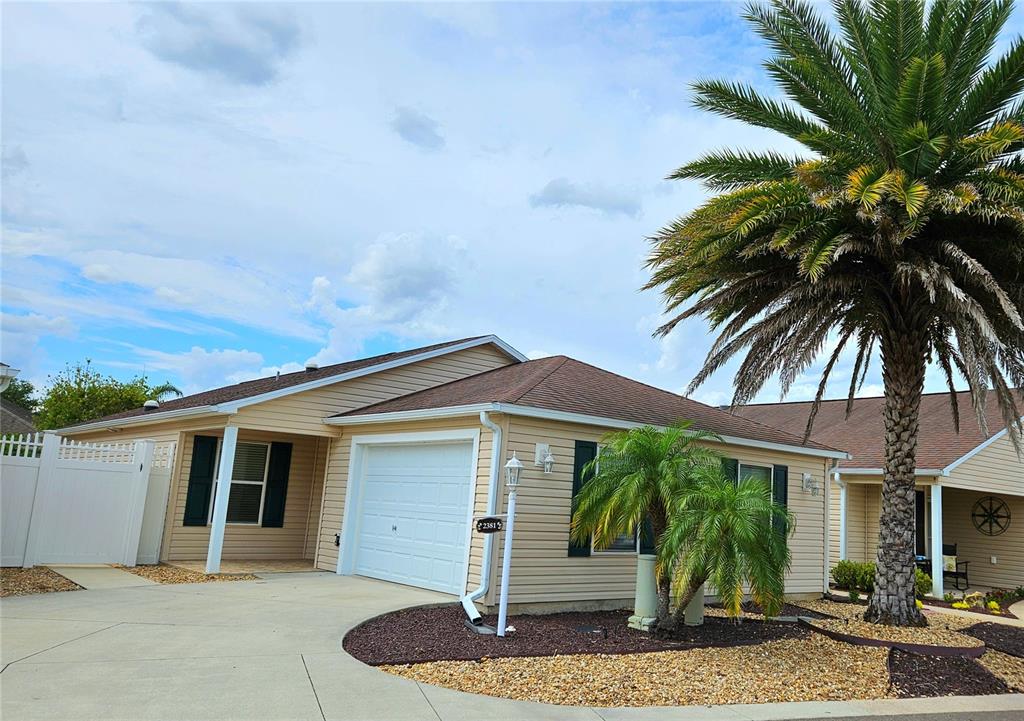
point(564, 384)
point(15, 419)
point(863, 433)
point(248, 389)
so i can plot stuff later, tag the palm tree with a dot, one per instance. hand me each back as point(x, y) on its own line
point(899, 232)
point(732, 535)
point(161, 391)
point(639, 474)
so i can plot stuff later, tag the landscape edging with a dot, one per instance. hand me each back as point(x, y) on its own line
point(921, 649)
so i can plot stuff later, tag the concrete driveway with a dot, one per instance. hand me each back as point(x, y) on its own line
point(271, 649)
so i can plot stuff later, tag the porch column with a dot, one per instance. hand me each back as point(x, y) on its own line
point(843, 492)
point(220, 501)
point(937, 587)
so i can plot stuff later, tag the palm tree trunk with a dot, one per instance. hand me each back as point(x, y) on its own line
point(658, 523)
point(684, 600)
point(903, 370)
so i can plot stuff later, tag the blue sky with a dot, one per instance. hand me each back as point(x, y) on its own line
point(207, 193)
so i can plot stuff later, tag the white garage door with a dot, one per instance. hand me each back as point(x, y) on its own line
point(414, 514)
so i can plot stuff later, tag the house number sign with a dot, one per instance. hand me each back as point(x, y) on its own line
point(489, 525)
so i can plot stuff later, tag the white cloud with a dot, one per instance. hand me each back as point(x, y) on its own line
point(199, 369)
point(562, 192)
point(245, 44)
point(417, 128)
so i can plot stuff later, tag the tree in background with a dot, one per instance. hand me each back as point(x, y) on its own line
point(899, 232)
point(21, 393)
point(79, 393)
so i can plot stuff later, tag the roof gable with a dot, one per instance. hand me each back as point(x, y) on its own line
point(229, 399)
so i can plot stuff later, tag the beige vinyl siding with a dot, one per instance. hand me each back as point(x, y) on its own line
point(995, 469)
point(248, 542)
point(542, 570)
point(161, 432)
point(333, 509)
point(978, 548)
point(303, 412)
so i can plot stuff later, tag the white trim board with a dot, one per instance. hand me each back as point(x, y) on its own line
point(231, 407)
point(356, 466)
point(566, 416)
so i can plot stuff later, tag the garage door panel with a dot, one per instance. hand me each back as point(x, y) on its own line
point(413, 514)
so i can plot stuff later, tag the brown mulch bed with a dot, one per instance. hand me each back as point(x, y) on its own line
point(164, 573)
point(1008, 639)
point(797, 669)
point(419, 635)
point(26, 581)
point(980, 610)
point(914, 676)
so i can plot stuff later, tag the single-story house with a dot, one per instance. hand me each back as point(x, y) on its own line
point(377, 467)
point(971, 486)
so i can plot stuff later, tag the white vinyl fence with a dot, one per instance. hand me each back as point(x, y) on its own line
point(63, 501)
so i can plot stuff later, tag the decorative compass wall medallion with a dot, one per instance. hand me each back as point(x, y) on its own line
point(991, 515)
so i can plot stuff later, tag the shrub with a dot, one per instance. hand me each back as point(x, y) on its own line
point(947, 597)
point(922, 583)
point(845, 574)
point(850, 575)
point(919, 603)
point(961, 605)
point(866, 577)
point(993, 605)
point(854, 595)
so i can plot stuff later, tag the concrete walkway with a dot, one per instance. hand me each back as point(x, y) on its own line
point(101, 577)
point(271, 649)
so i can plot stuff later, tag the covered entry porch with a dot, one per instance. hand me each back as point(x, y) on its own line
point(964, 538)
point(243, 497)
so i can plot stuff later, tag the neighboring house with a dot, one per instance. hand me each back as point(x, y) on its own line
point(971, 487)
point(15, 419)
point(377, 467)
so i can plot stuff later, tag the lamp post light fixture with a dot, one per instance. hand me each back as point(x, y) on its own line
point(513, 469)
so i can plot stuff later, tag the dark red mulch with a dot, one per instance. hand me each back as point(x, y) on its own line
point(417, 635)
point(914, 676)
point(1008, 639)
point(981, 611)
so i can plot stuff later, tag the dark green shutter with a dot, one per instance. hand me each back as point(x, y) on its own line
point(200, 480)
point(277, 484)
point(586, 451)
point(731, 468)
point(647, 540)
point(780, 486)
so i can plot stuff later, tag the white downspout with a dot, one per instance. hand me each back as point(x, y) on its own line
point(844, 491)
point(492, 505)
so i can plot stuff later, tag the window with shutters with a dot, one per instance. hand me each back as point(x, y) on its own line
point(248, 483)
point(627, 542)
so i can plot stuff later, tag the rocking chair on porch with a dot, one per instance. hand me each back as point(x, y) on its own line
point(953, 567)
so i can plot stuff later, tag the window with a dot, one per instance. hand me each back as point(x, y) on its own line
point(248, 483)
point(760, 473)
point(626, 543)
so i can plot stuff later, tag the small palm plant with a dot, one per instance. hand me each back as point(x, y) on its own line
point(731, 535)
point(640, 474)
